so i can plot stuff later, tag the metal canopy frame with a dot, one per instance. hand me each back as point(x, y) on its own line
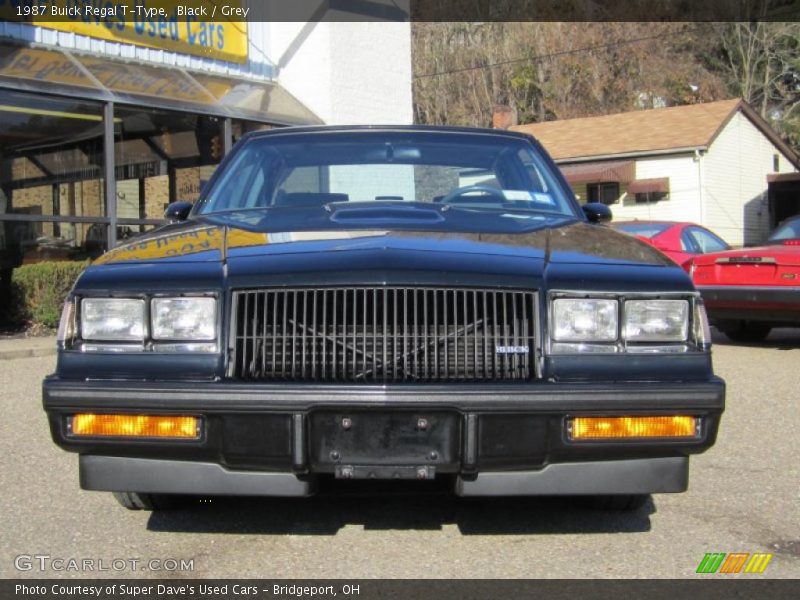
point(261, 101)
point(113, 83)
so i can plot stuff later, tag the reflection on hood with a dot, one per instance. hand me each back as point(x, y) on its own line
point(567, 242)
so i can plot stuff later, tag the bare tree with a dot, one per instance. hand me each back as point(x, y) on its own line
point(555, 70)
point(761, 63)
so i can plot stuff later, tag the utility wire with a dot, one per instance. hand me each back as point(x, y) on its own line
point(560, 53)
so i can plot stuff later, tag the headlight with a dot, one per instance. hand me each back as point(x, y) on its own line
point(184, 318)
point(584, 320)
point(112, 319)
point(656, 320)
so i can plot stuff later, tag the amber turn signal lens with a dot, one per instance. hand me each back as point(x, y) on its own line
point(151, 426)
point(600, 428)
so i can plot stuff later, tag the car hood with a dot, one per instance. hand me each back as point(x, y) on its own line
point(559, 241)
point(561, 253)
point(779, 253)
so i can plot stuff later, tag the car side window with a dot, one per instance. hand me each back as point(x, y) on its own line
point(255, 195)
point(239, 185)
point(236, 181)
point(687, 243)
point(705, 241)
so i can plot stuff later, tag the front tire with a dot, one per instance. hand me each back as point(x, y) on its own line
point(747, 331)
point(140, 501)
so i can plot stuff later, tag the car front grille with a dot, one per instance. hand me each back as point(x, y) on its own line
point(382, 334)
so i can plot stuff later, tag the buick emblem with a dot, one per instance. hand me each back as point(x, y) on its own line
point(511, 349)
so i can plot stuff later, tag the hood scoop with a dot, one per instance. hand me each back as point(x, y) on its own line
point(384, 214)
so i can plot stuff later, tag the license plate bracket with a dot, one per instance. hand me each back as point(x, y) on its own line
point(384, 472)
point(408, 441)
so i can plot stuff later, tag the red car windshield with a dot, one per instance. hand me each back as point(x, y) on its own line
point(646, 230)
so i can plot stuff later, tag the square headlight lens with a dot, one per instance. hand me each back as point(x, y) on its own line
point(184, 318)
point(112, 319)
point(656, 320)
point(585, 320)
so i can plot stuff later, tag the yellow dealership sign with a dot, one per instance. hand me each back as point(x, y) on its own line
point(209, 28)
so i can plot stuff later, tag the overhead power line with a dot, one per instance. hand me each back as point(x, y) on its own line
point(560, 53)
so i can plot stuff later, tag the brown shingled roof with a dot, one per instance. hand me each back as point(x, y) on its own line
point(691, 126)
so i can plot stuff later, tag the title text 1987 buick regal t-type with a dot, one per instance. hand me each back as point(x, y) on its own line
point(384, 303)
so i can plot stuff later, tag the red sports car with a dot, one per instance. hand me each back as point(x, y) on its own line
point(680, 241)
point(748, 292)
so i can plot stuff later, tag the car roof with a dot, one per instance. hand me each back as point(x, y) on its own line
point(648, 222)
point(657, 222)
point(388, 128)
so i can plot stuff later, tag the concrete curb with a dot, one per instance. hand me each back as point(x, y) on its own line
point(11, 349)
point(26, 353)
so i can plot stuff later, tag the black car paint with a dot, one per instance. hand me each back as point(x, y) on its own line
point(514, 433)
point(221, 252)
point(191, 258)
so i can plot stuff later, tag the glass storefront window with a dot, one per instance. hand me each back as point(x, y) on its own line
point(169, 129)
point(162, 157)
point(240, 126)
point(51, 177)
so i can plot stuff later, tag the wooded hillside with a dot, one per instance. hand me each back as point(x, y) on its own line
point(560, 70)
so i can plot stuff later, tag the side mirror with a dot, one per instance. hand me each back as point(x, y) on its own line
point(597, 212)
point(178, 211)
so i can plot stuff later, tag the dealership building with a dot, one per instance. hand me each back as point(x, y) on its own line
point(104, 123)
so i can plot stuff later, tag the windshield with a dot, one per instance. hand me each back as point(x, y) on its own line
point(647, 230)
point(477, 172)
point(787, 231)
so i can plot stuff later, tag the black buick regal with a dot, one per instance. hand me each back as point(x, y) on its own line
point(421, 303)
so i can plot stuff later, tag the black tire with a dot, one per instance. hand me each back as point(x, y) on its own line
point(747, 331)
point(622, 502)
point(138, 501)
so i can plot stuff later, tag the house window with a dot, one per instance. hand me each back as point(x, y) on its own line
point(607, 193)
point(776, 162)
point(650, 197)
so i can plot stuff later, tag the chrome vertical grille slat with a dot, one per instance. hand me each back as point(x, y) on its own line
point(383, 334)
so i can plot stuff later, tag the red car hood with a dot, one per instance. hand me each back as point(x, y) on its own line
point(780, 254)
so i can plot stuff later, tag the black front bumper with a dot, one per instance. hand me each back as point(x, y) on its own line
point(415, 432)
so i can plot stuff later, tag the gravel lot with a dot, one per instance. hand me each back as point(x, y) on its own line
point(744, 496)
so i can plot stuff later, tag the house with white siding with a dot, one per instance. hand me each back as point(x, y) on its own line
point(718, 164)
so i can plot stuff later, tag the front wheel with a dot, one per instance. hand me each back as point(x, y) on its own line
point(139, 501)
point(747, 331)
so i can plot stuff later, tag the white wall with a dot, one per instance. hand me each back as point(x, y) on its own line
point(347, 72)
point(735, 182)
point(372, 73)
point(683, 203)
point(367, 183)
point(725, 189)
point(302, 58)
